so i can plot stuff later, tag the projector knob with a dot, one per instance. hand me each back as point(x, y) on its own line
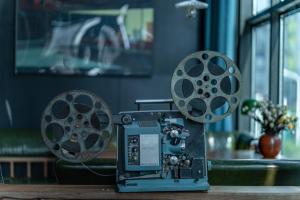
point(126, 119)
point(174, 133)
point(173, 160)
point(134, 149)
point(187, 162)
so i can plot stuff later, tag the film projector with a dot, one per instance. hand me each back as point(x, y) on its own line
point(157, 150)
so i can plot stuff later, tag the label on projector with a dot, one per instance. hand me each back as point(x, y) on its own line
point(149, 150)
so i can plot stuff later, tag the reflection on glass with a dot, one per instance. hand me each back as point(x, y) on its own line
point(260, 5)
point(90, 37)
point(291, 80)
point(260, 65)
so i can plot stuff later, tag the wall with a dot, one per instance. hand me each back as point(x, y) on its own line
point(175, 37)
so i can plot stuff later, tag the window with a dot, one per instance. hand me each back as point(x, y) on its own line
point(271, 38)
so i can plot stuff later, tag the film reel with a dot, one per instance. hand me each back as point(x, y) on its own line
point(76, 126)
point(205, 86)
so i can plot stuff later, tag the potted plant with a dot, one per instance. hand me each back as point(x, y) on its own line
point(273, 120)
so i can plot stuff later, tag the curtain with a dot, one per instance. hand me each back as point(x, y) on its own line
point(221, 25)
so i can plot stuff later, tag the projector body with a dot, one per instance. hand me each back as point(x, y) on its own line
point(160, 151)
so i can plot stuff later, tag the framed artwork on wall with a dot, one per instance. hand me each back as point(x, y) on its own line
point(95, 37)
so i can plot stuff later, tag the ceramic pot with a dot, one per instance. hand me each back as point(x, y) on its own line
point(269, 145)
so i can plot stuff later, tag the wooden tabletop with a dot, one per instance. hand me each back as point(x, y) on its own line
point(108, 192)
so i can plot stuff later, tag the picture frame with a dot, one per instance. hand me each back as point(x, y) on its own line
point(96, 37)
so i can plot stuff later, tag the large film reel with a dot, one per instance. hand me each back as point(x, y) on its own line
point(206, 86)
point(76, 126)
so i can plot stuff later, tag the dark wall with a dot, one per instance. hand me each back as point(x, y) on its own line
point(175, 37)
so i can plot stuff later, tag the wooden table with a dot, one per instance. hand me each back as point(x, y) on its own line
point(108, 192)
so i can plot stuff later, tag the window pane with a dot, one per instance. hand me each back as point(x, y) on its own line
point(259, 5)
point(261, 62)
point(260, 67)
point(276, 2)
point(291, 79)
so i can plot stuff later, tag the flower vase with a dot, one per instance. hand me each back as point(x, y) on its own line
point(269, 145)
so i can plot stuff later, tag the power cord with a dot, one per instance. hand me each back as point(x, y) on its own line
point(54, 169)
point(94, 172)
point(86, 167)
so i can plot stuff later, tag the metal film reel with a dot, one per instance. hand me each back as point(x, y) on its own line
point(206, 86)
point(76, 126)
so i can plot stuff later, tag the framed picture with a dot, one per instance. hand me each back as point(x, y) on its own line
point(94, 37)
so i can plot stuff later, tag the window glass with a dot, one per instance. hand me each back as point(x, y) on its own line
point(260, 66)
point(291, 79)
point(276, 2)
point(259, 5)
point(261, 62)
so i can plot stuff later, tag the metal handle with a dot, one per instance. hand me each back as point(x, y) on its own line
point(139, 102)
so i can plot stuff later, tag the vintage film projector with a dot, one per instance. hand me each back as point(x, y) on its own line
point(157, 150)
